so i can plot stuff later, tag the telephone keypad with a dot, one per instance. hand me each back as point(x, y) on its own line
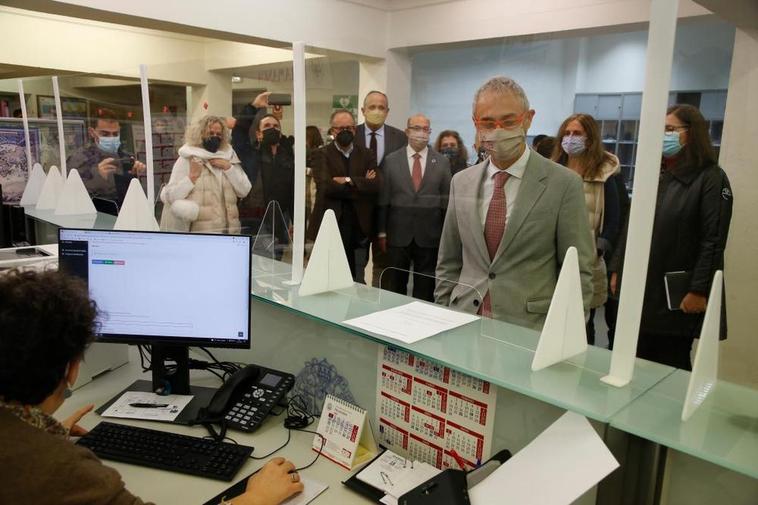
point(253, 407)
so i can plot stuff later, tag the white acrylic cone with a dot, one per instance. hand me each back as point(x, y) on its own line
point(33, 186)
point(74, 199)
point(136, 214)
point(327, 268)
point(51, 190)
point(706, 367)
point(564, 334)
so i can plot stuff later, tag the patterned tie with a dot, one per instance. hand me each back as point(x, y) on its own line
point(416, 174)
point(494, 227)
point(372, 146)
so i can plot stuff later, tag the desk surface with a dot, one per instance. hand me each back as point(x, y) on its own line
point(495, 351)
point(163, 487)
point(724, 430)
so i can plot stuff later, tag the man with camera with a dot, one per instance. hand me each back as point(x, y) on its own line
point(104, 166)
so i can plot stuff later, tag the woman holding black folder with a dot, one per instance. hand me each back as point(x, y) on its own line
point(692, 216)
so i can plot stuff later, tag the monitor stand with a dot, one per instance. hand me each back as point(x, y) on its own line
point(170, 365)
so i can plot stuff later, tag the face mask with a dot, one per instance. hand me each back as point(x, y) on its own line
point(271, 136)
point(450, 153)
point(109, 144)
point(503, 144)
point(671, 144)
point(344, 138)
point(574, 145)
point(419, 138)
point(376, 117)
point(211, 144)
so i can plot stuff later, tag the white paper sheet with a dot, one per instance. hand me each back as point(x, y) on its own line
point(311, 489)
point(166, 408)
point(386, 471)
point(412, 322)
point(556, 468)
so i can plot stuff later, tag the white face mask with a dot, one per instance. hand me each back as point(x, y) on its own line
point(419, 137)
point(503, 145)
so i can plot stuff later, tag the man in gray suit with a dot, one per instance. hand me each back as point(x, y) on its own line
point(412, 204)
point(510, 219)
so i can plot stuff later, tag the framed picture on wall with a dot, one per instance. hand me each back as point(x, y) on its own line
point(14, 171)
point(46, 107)
point(73, 108)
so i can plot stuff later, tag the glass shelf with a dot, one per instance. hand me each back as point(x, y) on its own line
point(100, 221)
point(495, 351)
point(723, 431)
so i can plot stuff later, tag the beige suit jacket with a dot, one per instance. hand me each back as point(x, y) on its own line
point(548, 217)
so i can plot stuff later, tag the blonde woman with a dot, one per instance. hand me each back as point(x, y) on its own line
point(206, 182)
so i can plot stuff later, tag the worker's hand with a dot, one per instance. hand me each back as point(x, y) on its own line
point(70, 422)
point(272, 484)
point(138, 168)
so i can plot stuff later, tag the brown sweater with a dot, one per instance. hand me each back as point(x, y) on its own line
point(41, 468)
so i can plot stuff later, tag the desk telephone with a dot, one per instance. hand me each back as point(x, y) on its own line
point(246, 398)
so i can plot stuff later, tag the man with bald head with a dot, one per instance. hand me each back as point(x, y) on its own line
point(412, 204)
point(510, 219)
point(381, 139)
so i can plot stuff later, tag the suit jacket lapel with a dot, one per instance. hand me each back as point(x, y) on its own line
point(469, 192)
point(429, 168)
point(529, 192)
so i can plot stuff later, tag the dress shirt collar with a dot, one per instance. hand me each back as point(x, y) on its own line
point(379, 133)
point(515, 170)
point(423, 153)
point(345, 152)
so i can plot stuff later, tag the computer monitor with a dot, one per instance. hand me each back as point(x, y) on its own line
point(168, 290)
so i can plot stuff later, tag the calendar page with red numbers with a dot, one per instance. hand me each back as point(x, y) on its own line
point(431, 413)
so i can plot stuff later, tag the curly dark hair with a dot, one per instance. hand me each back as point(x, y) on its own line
point(46, 320)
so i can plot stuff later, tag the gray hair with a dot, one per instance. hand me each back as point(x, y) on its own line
point(501, 85)
point(200, 128)
point(376, 92)
point(418, 115)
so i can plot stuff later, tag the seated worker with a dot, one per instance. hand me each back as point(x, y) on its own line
point(46, 323)
point(103, 164)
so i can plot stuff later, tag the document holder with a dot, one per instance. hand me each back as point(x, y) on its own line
point(447, 488)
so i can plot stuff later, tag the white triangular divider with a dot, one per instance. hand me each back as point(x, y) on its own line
point(706, 367)
point(33, 186)
point(74, 199)
point(327, 268)
point(136, 214)
point(564, 334)
point(51, 190)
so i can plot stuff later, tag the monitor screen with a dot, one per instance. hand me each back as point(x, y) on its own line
point(172, 288)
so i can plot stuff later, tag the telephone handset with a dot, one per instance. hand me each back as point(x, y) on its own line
point(247, 397)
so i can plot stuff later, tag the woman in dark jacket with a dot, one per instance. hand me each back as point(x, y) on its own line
point(692, 215)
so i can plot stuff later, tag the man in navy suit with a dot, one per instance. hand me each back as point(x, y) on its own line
point(381, 139)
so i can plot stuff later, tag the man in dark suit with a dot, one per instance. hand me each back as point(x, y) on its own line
point(412, 205)
point(347, 181)
point(381, 139)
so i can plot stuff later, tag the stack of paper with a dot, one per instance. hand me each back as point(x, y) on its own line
point(396, 475)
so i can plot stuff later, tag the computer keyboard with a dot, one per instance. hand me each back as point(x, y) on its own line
point(167, 451)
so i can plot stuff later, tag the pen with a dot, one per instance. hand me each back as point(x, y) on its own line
point(148, 405)
point(461, 462)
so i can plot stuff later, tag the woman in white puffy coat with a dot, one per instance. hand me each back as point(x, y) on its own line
point(206, 182)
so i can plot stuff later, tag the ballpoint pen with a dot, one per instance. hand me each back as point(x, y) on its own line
point(149, 405)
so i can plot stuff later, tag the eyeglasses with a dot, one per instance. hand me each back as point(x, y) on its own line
point(417, 128)
point(338, 129)
point(673, 128)
point(506, 124)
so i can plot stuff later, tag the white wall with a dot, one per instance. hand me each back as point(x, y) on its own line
point(616, 62)
point(553, 71)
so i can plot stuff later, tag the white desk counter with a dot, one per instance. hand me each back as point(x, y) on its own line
point(163, 487)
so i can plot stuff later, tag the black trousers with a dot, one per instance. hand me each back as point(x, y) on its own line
point(353, 239)
point(666, 349)
point(400, 259)
point(611, 315)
